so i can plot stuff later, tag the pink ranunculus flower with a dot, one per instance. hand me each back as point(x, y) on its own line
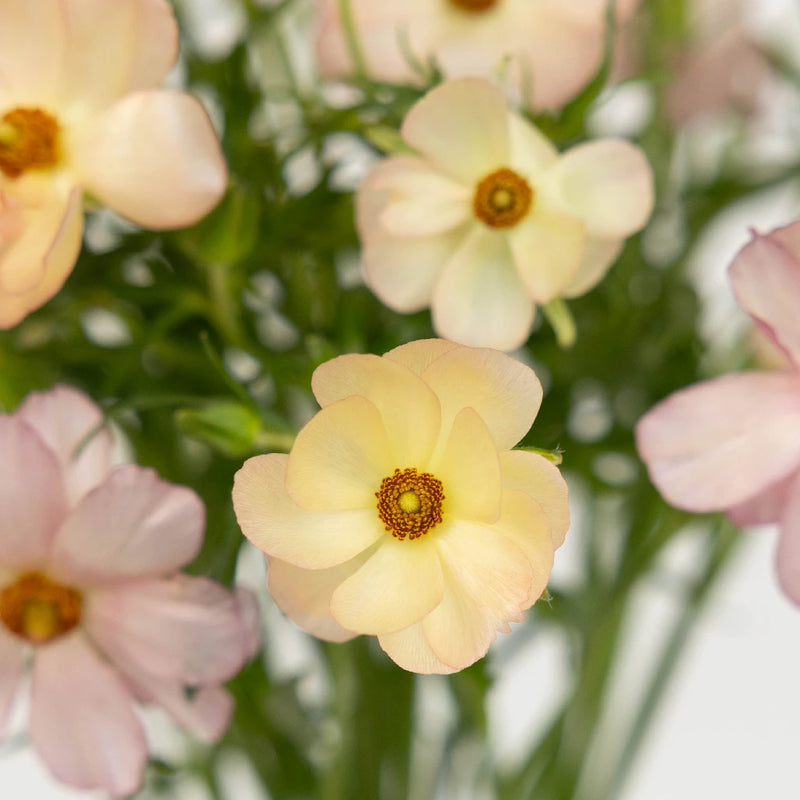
point(486, 220)
point(89, 590)
point(402, 511)
point(732, 443)
point(553, 47)
point(79, 112)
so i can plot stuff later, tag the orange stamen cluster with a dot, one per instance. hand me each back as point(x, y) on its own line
point(502, 199)
point(410, 503)
point(474, 5)
point(28, 140)
point(38, 609)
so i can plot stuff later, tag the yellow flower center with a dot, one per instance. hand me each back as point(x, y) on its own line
point(410, 503)
point(28, 140)
point(502, 199)
point(38, 609)
point(473, 5)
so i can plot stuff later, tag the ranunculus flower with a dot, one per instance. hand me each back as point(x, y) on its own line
point(486, 220)
point(733, 443)
point(401, 510)
point(89, 589)
point(553, 47)
point(79, 112)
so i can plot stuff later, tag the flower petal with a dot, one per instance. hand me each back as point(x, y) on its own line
point(13, 654)
point(544, 482)
point(32, 496)
point(461, 126)
point(153, 157)
point(547, 247)
point(396, 587)
point(275, 524)
point(609, 184)
point(531, 152)
point(183, 629)
point(505, 392)
point(788, 552)
point(469, 468)
point(765, 507)
point(409, 409)
point(340, 458)
point(304, 595)
point(487, 583)
point(480, 299)
point(410, 650)
point(133, 525)
point(766, 281)
point(82, 720)
point(598, 257)
point(419, 355)
point(720, 442)
point(70, 424)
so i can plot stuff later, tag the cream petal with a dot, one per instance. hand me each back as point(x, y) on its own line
point(788, 553)
point(531, 152)
point(410, 650)
point(461, 126)
point(396, 587)
point(487, 583)
point(13, 654)
point(766, 281)
point(543, 481)
point(51, 259)
point(503, 391)
point(340, 458)
point(547, 247)
point(409, 409)
point(279, 527)
point(32, 496)
point(419, 355)
point(719, 443)
point(469, 469)
point(184, 629)
point(480, 300)
point(153, 157)
point(82, 720)
point(609, 184)
point(133, 525)
point(72, 426)
point(598, 257)
point(304, 595)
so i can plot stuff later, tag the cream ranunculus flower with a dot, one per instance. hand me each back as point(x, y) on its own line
point(79, 111)
point(401, 510)
point(554, 47)
point(486, 220)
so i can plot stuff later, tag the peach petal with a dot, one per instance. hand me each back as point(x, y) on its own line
point(410, 650)
point(419, 355)
point(133, 525)
point(275, 524)
point(393, 389)
point(396, 587)
point(82, 720)
point(153, 157)
point(13, 655)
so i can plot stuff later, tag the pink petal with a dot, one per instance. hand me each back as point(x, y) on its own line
point(183, 629)
point(767, 506)
point(275, 524)
point(82, 720)
point(153, 157)
point(480, 299)
point(788, 552)
point(70, 424)
point(13, 655)
point(304, 595)
point(461, 127)
point(133, 525)
point(766, 281)
point(720, 442)
point(42, 257)
point(32, 496)
point(410, 650)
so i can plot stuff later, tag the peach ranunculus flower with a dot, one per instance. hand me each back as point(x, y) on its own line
point(732, 443)
point(554, 47)
point(79, 111)
point(402, 512)
point(486, 219)
point(89, 589)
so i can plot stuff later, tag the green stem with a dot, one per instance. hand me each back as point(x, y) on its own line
point(351, 37)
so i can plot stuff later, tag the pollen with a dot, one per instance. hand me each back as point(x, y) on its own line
point(28, 141)
point(474, 5)
point(410, 503)
point(38, 609)
point(502, 199)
